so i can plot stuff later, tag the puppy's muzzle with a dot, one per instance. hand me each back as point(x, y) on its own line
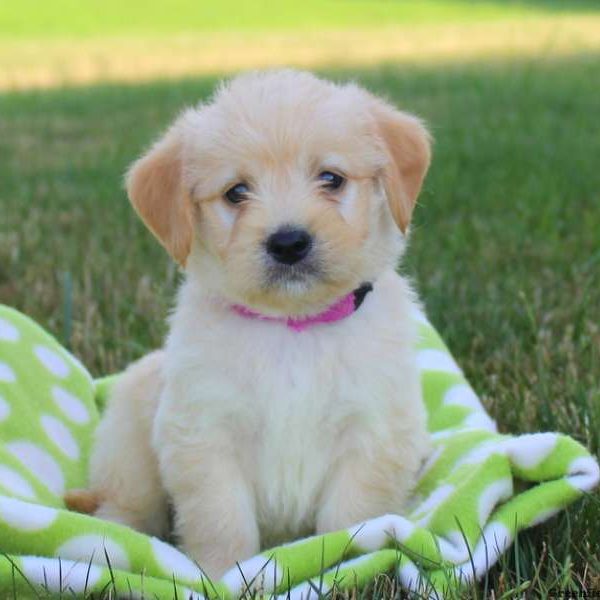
point(289, 246)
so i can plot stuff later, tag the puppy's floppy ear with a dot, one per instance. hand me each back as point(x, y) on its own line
point(155, 188)
point(407, 144)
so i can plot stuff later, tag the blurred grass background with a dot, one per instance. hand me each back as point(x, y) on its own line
point(71, 18)
point(505, 245)
point(65, 42)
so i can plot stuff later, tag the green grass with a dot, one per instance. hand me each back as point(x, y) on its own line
point(67, 42)
point(72, 18)
point(505, 248)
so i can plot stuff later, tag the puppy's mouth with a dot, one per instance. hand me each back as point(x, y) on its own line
point(293, 277)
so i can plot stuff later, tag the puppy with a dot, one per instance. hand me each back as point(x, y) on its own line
point(287, 399)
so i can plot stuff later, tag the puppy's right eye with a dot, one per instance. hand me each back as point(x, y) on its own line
point(330, 180)
point(238, 193)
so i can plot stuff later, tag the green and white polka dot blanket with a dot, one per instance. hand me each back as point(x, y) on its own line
point(477, 491)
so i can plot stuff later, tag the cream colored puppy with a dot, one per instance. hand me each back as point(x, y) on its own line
point(287, 398)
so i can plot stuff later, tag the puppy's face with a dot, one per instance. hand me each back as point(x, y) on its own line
point(286, 191)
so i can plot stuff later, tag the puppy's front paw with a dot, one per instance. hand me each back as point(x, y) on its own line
point(215, 522)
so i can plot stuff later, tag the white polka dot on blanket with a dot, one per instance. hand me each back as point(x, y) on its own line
point(436, 360)
point(583, 473)
point(26, 516)
point(71, 406)
point(312, 589)
point(432, 502)
point(375, 534)
point(6, 373)
point(411, 579)
point(86, 548)
point(4, 409)
point(40, 463)
point(14, 483)
point(480, 420)
point(495, 540)
point(191, 594)
point(256, 570)
point(8, 332)
point(528, 451)
point(61, 577)
point(462, 395)
point(453, 547)
point(480, 453)
point(53, 362)
point(491, 496)
point(496, 535)
point(61, 436)
point(173, 561)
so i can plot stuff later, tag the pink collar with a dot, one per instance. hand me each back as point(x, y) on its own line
point(339, 310)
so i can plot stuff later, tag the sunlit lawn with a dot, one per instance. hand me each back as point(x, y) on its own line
point(72, 19)
point(505, 247)
point(66, 42)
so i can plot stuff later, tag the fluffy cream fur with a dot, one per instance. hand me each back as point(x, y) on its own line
point(257, 433)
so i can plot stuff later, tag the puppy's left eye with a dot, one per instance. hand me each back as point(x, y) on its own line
point(330, 180)
point(237, 193)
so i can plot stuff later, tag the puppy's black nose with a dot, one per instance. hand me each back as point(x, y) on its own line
point(289, 246)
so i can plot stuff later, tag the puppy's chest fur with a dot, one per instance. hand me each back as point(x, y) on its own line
point(290, 404)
